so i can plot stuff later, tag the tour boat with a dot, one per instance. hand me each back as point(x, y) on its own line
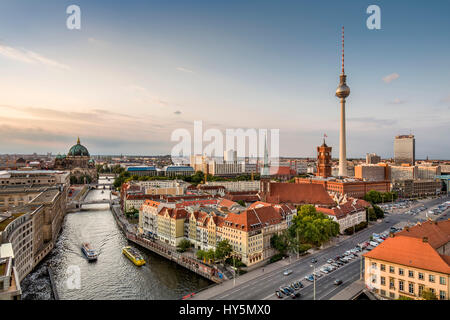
point(90, 253)
point(134, 256)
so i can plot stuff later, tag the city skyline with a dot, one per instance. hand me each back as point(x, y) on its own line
point(134, 73)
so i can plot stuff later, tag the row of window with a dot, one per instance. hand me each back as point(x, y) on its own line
point(411, 273)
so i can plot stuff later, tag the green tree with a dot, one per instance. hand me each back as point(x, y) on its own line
point(279, 243)
point(241, 202)
point(201, 254)
point(210, 255)
point(371, 214)
point(378, 212)
point(427, 294)
point(223, 249)
point(184, 245)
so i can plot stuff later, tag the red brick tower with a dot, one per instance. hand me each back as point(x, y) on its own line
point(323, 161)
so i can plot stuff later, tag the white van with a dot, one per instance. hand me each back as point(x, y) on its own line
point(373, 243)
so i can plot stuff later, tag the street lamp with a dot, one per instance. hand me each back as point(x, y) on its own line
point(314, 277)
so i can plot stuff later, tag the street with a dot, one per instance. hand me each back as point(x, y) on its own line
point(264, 286)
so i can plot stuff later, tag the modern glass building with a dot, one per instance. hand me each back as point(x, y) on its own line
point(405, 149)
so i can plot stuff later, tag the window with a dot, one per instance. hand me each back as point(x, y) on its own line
point(410, 273)
point(400, 285)
point(420, 289)
point(421, 276)
point(411, 288)
point(442, 280)
point(383, 281)
point(391, 269)
point(442, 295)
point(383, 292)
point(391, 283)
point(400, 271)
point(431, 278)
point(382, 267)
point(392, 295)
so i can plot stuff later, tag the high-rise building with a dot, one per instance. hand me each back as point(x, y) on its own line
point(230, 156)
point(323, 161)
point(342, 92)
point(405, 149)
point(372, 158)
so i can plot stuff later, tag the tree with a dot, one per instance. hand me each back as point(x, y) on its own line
point(223, 249)
point(210, 254)
point(379, 213)
point(241, 202)
point(201, 254)
point(371, 214)
point(279, 243)
point(184, 245)
point(427, 294)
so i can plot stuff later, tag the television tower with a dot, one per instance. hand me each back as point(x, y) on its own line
point(342, 92)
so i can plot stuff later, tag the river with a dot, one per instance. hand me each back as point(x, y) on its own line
point(112, 276)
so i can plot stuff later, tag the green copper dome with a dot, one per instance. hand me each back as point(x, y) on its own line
point(78, 150)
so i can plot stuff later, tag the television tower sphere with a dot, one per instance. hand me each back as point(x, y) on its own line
point(343, 91)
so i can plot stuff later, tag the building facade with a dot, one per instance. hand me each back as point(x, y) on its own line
point(405, 149)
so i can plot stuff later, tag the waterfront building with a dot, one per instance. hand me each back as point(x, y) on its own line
point(405, 150)
point(372, 158)
point(411, 261)
point(171, 225)
point(347, 214)
point(80, 164)
point(9, 281)
point(32, 229)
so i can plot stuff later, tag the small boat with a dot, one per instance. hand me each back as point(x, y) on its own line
point(90, 253)
point(134, 256)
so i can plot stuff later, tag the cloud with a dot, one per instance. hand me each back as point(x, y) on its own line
point(143, 95)
point(397, 101)
point(373, 121)
point(184, 70)
point(95, 41)
point(391, 77)
point(30, 57)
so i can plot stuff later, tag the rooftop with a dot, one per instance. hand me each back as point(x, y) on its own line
point(4, 221)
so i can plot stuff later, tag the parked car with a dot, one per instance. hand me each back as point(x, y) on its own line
point(314, 260)
point(330, 261)
point(278, 294)
point(310, 277)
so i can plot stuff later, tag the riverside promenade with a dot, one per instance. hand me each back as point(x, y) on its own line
point(166, 251)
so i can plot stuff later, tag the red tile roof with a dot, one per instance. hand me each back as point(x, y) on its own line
point(350, 207)
point(298, 193)
point(438, 233)
point(410, 251)
point(253, 219)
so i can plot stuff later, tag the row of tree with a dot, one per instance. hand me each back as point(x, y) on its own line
point(309, 228)
point(378, 197)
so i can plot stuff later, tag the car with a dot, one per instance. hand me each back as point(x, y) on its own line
point(386, 221)
point(278, 294)
point(324, 270)
point(295, 286)
point(300, 284)
point(337, 282)
point(334, 264)
point(330, 261)
point(287, 272)
point(309, 278)
point(313, 260)
point(318, 275)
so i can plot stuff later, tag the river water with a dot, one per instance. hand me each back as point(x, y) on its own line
point(112, 276)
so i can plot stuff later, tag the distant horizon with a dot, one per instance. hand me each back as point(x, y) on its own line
point(138, 70)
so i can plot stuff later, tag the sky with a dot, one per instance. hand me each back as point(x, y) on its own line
point(138, 70)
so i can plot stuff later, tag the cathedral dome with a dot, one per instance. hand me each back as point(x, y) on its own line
point(78, 150)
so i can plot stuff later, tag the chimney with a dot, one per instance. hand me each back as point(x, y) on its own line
point(425, 239)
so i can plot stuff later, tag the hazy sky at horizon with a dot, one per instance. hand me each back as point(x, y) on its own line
point(137, 70)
